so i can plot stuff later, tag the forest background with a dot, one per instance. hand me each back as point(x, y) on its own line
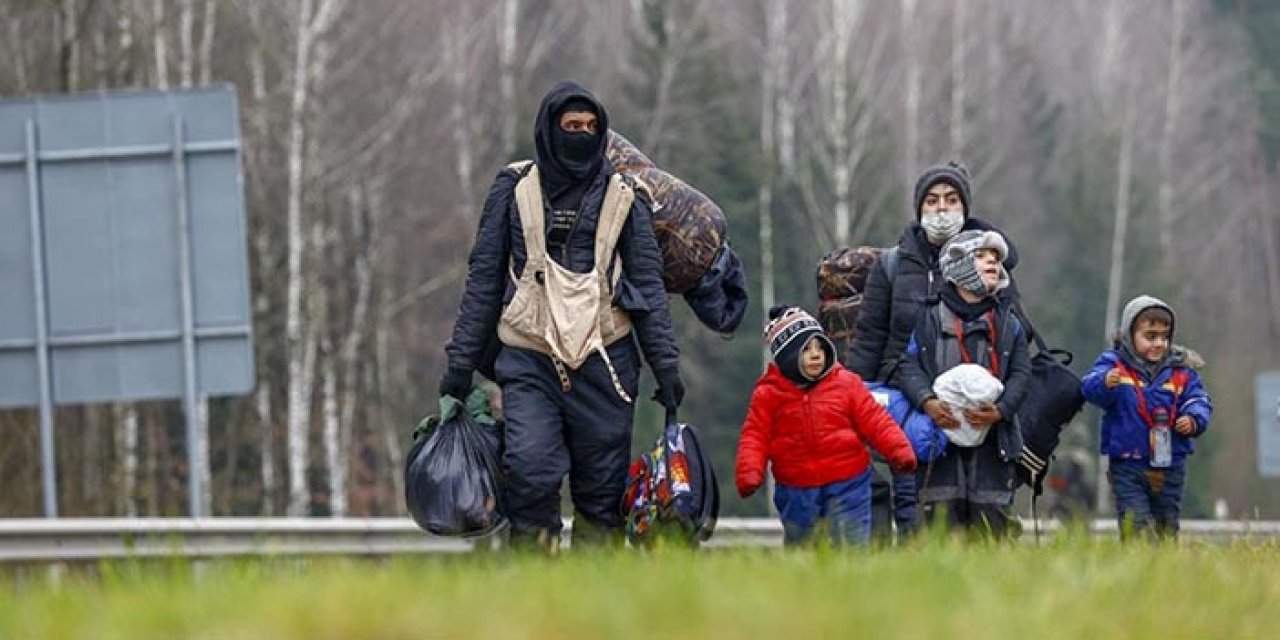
point(1126, 146)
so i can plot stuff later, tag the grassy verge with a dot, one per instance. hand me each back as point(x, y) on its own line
point(938, 589)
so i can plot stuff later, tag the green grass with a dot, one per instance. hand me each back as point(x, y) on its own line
point(937, 589)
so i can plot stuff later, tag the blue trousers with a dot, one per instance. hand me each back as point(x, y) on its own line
point(1147, 500)
point(845, 505)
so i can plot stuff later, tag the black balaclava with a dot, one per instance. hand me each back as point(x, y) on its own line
point(568, 162)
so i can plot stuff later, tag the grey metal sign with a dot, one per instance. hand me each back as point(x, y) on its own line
point(123, 265)
point(1268, 411)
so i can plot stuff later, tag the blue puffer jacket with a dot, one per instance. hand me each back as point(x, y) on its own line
point(1175, 386)
point(927, 440)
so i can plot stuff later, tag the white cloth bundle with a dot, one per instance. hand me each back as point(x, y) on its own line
point(967, 386)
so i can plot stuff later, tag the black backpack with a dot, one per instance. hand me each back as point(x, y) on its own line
point(672, 489)
point(1053, 399)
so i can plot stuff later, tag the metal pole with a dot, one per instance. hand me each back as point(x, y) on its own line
point(48, 471)
point(195, 463)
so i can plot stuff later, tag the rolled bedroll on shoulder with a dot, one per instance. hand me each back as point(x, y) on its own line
point(692, 233)
point(841, 278)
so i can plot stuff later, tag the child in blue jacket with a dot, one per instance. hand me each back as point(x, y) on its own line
point(1153, 407)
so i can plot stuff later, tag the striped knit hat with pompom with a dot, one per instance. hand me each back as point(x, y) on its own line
point(788, 331)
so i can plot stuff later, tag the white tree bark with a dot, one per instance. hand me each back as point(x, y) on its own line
point(127, 421)
point(267, 464)
point(911, 104)
point(354, 340)
point(124, 26)
point(160, 44)
point(1115, 280)
point(507, 32)
point(460, 114)
point(70, 19)
point(299, 346)
point(842, 25)
point(202, 455)
point(312, 20)
point(186, 42)
point(333, 455)
point(770, 81)
point(959, 52)
point(206, 40)
point(1172, 110)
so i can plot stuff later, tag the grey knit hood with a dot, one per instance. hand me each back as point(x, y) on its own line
point(1125, 334)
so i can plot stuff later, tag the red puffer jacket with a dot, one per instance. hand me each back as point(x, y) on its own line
point(815, 436)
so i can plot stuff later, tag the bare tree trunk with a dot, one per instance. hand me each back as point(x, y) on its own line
point(17, 48)
point(206, 40)
point(390, 435)
point(186, 41)
point(460, 83)
point(124, 63)
point(911, 111)
point(101, 60)
point(775, 33)
point(156, 443)
point(838, 133)
point(202, 455)
point(784, 117)
point(268, 463)
point(959, 45)
point(507, 76)
point(160, 44)
point(69, 60)
point(334, 457)
point(351, 344)
point(127, 421)
point(1172, 107)
point(1124, 178)
point(298, 343)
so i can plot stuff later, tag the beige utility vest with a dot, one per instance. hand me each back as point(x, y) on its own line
point(556, 311)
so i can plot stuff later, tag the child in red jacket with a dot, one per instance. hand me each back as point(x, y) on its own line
point(808, 418)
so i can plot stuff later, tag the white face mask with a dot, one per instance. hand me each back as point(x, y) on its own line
point(942, 226)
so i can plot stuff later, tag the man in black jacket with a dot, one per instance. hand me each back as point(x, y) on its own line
point(558, 419)
point(943, 204)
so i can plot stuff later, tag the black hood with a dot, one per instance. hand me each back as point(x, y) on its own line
point(559, 181)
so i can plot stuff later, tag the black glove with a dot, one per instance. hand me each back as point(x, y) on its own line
point(455, 383)
point(670, 391)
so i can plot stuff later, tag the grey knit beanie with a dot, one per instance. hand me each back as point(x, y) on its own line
point(952, 173)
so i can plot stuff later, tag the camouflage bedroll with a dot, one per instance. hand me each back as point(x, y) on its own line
point(841, 278)
point(839, 320)
point(843, 272)
point(690, 227)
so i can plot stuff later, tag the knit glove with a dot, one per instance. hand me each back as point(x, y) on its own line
point(456, 383)
point(670, 391)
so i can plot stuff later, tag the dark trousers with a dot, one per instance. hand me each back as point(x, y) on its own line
point(969, 487)
point(845, 506)
point(584, 432)
point(893, 504)
point(1148, 501)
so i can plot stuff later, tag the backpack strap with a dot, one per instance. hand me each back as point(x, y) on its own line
point(889, 263)
point(530, 206)
point(615, 209)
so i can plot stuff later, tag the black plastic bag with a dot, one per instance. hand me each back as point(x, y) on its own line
point(452, 476)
